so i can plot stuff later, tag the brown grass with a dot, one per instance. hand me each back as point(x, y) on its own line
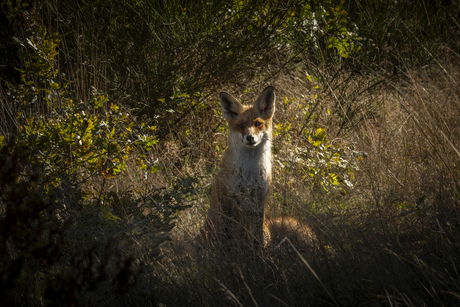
point(393, 238)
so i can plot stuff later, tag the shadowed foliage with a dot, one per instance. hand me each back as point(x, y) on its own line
point(111, 134)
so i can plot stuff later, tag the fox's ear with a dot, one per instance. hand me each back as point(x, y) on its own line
point(265, 104)
point(230, 106)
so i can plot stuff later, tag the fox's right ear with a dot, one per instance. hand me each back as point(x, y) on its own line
point(265, 104)
point(230, 106)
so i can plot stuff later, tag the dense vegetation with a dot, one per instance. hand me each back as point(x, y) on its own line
point(111, 133)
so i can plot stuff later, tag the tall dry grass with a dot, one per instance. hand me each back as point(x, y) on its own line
point(392, 238)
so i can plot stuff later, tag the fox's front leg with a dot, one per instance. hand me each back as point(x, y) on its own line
point(258, 230)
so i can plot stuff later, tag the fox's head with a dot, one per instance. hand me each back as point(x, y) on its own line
point(250, 124)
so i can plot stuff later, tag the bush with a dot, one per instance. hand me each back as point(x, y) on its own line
point(59, 211)
point(35, 267)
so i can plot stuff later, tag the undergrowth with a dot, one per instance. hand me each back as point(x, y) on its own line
point(111, 133)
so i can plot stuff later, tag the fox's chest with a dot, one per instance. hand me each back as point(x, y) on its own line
point(251, 178)
point(243, 181)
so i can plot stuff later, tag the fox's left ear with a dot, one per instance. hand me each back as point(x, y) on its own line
point(265, 104)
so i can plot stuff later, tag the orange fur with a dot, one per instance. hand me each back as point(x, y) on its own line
point(239, 193)
point(241, 187)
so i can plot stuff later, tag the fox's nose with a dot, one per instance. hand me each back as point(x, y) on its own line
point(250, 138)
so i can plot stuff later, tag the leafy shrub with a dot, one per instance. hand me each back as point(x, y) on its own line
point(72, 141)
point(150, 52)
point(34, 244)
point(70, 136)
point(69, 224)
point(303, 150)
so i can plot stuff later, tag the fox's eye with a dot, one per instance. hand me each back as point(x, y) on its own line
point(240, 126)
point(257, 124)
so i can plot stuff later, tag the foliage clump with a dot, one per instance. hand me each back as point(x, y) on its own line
point(35, 265)
point(60, 211)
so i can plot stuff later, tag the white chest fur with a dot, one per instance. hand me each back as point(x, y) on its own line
point(252, 169)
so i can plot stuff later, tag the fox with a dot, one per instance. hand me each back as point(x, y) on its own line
point(240, 189)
